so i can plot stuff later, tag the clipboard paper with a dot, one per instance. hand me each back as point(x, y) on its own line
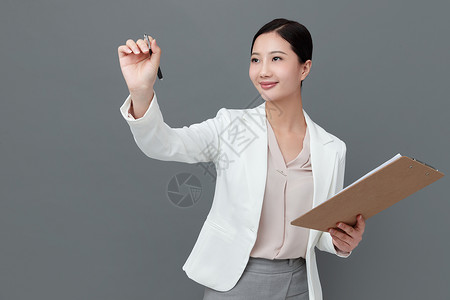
point(381, 188)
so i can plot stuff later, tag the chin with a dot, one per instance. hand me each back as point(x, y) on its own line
point(267, 97)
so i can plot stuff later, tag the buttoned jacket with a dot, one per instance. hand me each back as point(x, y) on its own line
point(235, 140)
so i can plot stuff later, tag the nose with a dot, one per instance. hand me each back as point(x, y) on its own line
point(265, 70)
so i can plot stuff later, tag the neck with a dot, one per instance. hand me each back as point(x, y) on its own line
point(286, 114)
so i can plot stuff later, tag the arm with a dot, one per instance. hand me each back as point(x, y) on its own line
point(345, 238)
point(325, 242)
point(196, 143)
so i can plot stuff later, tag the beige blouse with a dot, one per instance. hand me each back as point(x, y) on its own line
point(288, 194)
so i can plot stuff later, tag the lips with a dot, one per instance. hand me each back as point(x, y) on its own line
point(268, 84)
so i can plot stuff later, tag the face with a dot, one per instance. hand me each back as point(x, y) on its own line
point(275, 69)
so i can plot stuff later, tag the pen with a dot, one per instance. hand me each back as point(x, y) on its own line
point(160, 76)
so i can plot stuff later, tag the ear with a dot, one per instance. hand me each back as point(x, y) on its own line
point(305, 68)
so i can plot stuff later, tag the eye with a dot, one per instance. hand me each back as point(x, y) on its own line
point(253, 59)
point(277, 57)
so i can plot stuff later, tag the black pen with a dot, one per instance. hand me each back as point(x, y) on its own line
point(160, 76)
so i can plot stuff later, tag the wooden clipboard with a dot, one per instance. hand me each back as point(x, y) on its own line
point(371, 194)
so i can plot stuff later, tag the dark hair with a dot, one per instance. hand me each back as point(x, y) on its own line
point(294, 33)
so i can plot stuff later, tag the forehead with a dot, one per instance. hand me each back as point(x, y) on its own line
point(270, 41)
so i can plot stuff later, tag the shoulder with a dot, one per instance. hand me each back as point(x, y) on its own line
point(232, 112)
point(338, 144)
point(340, 147)
point(229, 114)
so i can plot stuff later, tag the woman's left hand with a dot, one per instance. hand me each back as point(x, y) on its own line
point(347, 238)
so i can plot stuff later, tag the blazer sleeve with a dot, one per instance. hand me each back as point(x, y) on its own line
point(190, 144)
point(325, 242)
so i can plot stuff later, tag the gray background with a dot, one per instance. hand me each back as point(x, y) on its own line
point(85, 215)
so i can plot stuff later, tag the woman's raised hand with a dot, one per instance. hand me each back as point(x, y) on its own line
point(138, 70)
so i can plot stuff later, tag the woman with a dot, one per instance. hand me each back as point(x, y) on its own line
point(284, 165)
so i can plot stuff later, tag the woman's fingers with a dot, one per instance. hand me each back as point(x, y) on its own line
point(342, 245)
point(341, 235)
point(137, 47)
point(361, 223)
point(133, 46)
point(341, 240)
point(124, 49)
point(142, 45)
point(346, 228)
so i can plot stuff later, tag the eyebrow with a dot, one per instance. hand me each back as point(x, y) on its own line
point(256, 53)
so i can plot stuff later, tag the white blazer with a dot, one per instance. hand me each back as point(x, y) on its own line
point(236, 141)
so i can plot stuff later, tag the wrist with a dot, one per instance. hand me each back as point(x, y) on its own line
point(140, 102)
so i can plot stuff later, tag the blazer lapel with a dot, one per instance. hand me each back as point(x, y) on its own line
point(255, 166)
point(323, 159)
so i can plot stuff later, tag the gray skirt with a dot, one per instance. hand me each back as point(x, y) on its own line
point(263, 278)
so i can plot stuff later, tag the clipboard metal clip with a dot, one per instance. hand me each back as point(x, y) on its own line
point(424, 163)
